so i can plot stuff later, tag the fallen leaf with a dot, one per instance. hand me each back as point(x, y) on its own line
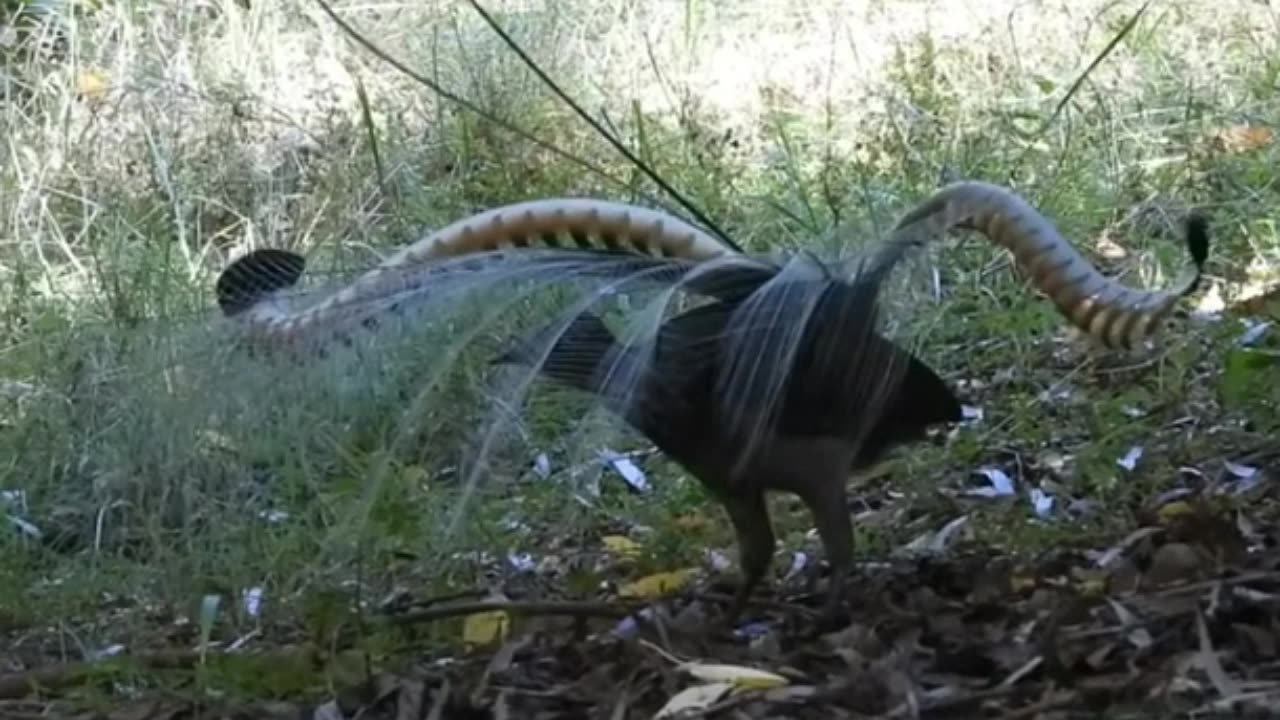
point(738, 675)
point(542, 465)
point(1110, 249)
point(1242, 138)
point(621, 546)
point(25, 527)
point(1001, 485)
point(622, 465)
point(1174, 510)
point(1130, 459)
point(1255, 299)
point(1253, 332)
point(1041, 502)
point(698, 697)
point(658, 584)
point(485, 628)
point(91, 84)
point(251, 601)
point(1244, 472)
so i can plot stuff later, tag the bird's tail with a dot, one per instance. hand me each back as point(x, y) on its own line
point(1111, 313)
point(576, 354)
point(255, 277)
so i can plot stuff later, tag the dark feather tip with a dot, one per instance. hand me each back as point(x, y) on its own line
point(248, 280)
point(1197, 234)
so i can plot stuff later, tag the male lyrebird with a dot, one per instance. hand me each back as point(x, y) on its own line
point(778, 380)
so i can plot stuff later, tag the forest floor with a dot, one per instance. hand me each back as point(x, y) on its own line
point(1097, 539)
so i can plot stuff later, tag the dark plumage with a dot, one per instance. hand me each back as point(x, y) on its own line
point(701, 389)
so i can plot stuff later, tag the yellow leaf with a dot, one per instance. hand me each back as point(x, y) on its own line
point(738, 675)
point(621, 545)
point(486, 628)
point(657, 584)
point(91, 84)
point(1175, 509)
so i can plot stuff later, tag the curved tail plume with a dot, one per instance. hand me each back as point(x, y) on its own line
point(250, 279)
point(615, 230)
point(1115, 315)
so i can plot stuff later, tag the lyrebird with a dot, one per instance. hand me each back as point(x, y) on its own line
point(779, 380)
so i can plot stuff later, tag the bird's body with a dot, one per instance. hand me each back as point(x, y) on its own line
point(849, 395)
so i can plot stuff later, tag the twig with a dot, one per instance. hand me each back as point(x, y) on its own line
point(579, 609)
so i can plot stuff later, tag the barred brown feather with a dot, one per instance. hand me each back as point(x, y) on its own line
point(1115, 315)
point(1106, 310)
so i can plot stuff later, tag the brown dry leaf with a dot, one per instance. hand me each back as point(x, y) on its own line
point(1110, 249)
point(1242, 138)
point(1256, 300)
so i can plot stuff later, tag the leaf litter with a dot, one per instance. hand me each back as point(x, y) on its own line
point(1180, 618)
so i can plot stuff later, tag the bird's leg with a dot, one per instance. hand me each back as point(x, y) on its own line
point(750, 517)
point(826, 499)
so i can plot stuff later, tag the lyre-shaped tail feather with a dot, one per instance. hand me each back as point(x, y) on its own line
point(575, 354)
point(1115, 315)
point(256, 276)
point(576, 231)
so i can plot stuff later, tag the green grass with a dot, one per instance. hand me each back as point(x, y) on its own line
point(155, 142)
